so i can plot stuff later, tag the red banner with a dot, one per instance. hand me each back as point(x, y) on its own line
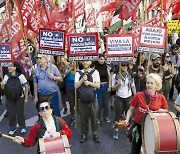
point(128, 8)
point(16, 34)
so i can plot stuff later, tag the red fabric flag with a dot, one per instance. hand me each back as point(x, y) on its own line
point(176, 8)
point(109, 6)
point(79, 8)
point(174, 2)
point(90, 20)
point(128, 8)
point(16, 34)
point(4, 29)
point(166, 5)
point(153, 4)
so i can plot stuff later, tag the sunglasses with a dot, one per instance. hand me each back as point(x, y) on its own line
point(123, 65)
point(167, 56)
point(44, 108)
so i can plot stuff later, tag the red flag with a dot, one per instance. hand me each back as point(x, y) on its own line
point(166, 5)
point(155, 21)
point(109, 6)
point(153, 4)
point(4, 29)
point(176, 8)
point(174, 2)
point(16, 34)
point(90, 20)
point(79, 8)
point(128, 8)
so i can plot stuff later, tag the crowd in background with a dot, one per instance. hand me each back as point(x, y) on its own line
point(118, 83)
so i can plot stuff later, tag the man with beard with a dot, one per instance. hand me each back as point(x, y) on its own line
point(156, 67)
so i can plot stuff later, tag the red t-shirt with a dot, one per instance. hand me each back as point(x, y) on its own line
point(139, 102)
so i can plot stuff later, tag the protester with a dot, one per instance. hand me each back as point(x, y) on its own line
point(156, 67)
point(63, 64)
point(141, 105)
point(88, 110)
point(45, 83)
point(48, 126)
point(123, 84)
point(168, 74)
point(175, 60)
point(14, 82)
point(70, 91)
point(103, 93)
point(177, 107)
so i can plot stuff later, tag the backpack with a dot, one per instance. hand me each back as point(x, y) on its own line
point(13, 88)
point(86, 94)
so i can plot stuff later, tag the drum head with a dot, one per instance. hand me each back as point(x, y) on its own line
point(149, 135)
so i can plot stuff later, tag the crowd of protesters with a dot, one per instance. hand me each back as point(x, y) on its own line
point(115, 85)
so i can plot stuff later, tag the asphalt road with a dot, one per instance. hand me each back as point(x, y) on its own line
point(107, 146)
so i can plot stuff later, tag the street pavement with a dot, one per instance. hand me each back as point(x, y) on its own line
point(107, 146)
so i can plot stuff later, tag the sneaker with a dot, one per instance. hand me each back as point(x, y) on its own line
point(107, 120)
point(96, 139)
point(116, 135)
point(6, 114)
point(99, 121)
point(23, 130)
point(11, 132)
point(65, 110)
point(83, 138)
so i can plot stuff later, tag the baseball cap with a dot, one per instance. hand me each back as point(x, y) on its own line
point(155, 56)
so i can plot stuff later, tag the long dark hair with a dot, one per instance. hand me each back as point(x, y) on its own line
point(18, 67)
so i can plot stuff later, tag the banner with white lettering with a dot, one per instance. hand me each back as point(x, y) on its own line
point(83, 46)
point(152, 38)
point(51, 41)
point(5, 52)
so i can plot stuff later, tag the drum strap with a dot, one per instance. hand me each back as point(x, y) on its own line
point(147, 99)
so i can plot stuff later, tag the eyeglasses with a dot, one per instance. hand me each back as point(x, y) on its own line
point(44, 108)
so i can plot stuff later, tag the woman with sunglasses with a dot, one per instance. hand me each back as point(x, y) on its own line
point(48, 126)
point(168, 74)
point(123, 84)
point(145, 101)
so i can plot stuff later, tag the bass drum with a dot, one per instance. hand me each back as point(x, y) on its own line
point(161, 133)
point(57, 145)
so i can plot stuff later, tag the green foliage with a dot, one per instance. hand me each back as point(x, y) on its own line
point(56, 3)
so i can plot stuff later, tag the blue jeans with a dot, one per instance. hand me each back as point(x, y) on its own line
point(103, 97)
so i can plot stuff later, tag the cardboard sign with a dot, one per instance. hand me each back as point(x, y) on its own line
point(119, 45)
point(83, 46)
point(51, 39)
point(154, 37)
point(5, 52)
point(173, 24)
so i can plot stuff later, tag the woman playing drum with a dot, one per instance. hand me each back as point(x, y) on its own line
point(146, 101)
point(48, 126)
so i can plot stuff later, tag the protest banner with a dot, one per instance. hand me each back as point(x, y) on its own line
point(120, 47)
point(5, 52)
point(51, 42)
point(83, 46)
point(152, 39)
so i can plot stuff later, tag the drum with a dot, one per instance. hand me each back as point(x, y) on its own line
point(57, 145)
point(161, 133)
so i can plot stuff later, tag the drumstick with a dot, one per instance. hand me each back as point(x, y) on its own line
point(6, 136)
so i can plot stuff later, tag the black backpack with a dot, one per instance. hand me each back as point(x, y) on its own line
point(86, 94)
point(13, 88)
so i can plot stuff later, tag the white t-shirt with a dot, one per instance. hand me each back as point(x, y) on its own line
point(95, 76)
point(123, 90)
point(50, 130)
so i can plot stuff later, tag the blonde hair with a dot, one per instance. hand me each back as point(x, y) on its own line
point(157, 79)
